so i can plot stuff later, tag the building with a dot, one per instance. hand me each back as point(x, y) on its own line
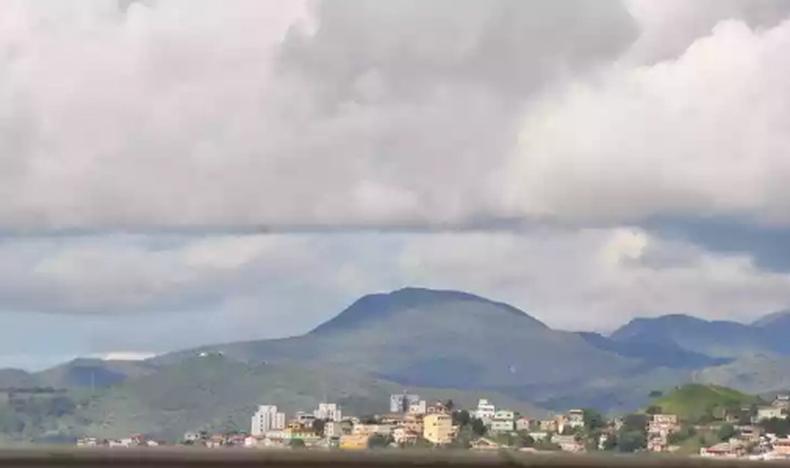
point(332, 430)
point(749, 434)
point(370, 429)
point(485, 410)
point(437, 407)
point(305, 419)
point(438, 429)
point(266, 419)
point(413, 423)
point(724, 450)
point(781, 448)
point(328, 412)
point(503, 421)
point(400, 403)
point(568, 443)
point(782, 401)
point(354, 442)
point(548, 425)
point(403, 436)
point(770, 412)
point(523, 424)
point(659, 428)
point(575, 419)
point(539, 435)
point(418, 407)
point(484, 444)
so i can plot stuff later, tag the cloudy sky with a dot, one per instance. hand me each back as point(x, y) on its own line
point(179, 172)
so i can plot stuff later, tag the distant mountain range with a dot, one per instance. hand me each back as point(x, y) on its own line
point(443, 344)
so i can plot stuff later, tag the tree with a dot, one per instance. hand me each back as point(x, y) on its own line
point(656, 394)
point(318, 426)
point(593, 419)
point(778, 426)
point(378, 441)
point(478, 427)
point(631, 441)
point(635, 422)
point(450, 405)
point(461, 418)
point(297, 444)
point(726, 431)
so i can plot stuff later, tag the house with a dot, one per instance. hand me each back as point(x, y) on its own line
point(659, 428)
point(403, 436)
point(354, 442)
point(782, 401)
point(523, 424)
point(87, 442)
point(370, 429)
point(413, 423)
point(418, 407)
point(437, 407)
point(770, 412)
point(539, 435)
point(781, 448)
point(485, 410)
point(749, 434)
point(328, 412)
point(192, 437)
point(266, 419)
point(548, 425)
point(568, 443)
point(503, 421)
point(730, 449)
point(575, 419)
point(438, 429)
point(484, 444)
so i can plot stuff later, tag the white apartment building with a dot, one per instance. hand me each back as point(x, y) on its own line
point(575, 418)
point(266, 419)
point(328, 412)
point(503, 421)
point(485, 410)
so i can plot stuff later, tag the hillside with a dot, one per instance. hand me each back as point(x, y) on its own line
point(750, 374)
point(436, 338)
point(217, 393)
point(696, 402)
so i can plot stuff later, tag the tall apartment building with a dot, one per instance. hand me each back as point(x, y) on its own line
point(266, 419)
point(438, 428)
point(400, 403)
point(328, 412)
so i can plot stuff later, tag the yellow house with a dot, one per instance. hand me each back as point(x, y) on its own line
point(438, 428)
point(354, 441)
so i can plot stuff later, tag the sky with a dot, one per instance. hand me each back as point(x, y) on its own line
point(183, 172)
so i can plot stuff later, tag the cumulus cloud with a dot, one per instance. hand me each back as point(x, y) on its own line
point(702, 134)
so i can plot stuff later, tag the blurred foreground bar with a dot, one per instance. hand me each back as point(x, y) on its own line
point(187, 457)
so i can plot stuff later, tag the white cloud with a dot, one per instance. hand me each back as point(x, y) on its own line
point(700, 135)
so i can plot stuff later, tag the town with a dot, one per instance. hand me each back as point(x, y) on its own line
point(755, 431)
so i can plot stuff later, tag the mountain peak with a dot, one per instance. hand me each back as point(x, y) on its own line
point(386, 305)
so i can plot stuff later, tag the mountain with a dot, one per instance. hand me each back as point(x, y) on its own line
point(435, 338)
point(696, 402)
point(92, 373)
point(751, 374)
point(717, 338)
point(16, 378)
point(653, 354)
point(214, 393)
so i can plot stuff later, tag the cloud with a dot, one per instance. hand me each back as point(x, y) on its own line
point(173, 114)
point(700, 135)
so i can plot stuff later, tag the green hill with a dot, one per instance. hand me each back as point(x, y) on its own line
point(696, 403)
point(212, 393)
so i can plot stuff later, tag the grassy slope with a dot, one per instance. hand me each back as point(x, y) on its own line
point(693, 402)
point(216, 393)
